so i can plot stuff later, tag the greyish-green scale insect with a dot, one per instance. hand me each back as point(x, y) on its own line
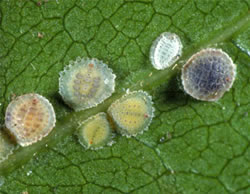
point(85, 83)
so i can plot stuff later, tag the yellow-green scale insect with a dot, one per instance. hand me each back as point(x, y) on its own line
point(29, 118)
point(133, 113)
point(95, 132)
point(6, 146)
point(85, 83)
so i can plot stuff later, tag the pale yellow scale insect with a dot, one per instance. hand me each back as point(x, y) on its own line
point(6, 146)
point(132, 114)
point(95, 132)
point(29, 118)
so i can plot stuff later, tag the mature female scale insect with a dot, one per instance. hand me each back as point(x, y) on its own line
point(133, 113)
point(29, 118)
point(95, 132)
point(86, 83)
point(208, 74)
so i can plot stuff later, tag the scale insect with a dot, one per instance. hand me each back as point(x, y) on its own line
point(85, 83)
point(133, 113)
point(6, 146)
point(165, 50)
point(29, 118)
point(208, 74)
point(95, 132)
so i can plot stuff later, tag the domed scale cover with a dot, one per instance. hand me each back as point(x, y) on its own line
point(85, 83)
point(29, 118)
point(95, 132)
point(208, 74)
point(133, 113)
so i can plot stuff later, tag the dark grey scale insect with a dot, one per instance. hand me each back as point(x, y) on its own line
point(208, 74)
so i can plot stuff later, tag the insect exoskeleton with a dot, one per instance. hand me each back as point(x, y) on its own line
point(29, 118)
point(165, 50)
point(133, 113)
point(85, 83)
point(95, 132)
point(208, 74)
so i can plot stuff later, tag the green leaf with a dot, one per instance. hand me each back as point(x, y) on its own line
point(191, 146)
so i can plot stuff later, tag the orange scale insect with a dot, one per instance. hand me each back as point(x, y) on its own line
point(29, 118)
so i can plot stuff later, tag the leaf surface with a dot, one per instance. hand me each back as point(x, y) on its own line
point(191, 147)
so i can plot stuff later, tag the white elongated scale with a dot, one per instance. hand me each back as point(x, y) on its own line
point(29, 118)
point(133, 113)
point(208, 74)
point(85, 83)
point(95, 132)
point(6, 146)
point(165, 50)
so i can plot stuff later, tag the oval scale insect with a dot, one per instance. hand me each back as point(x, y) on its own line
point(165, 50)
point(95, 132)
point(133, 113)
point(29, 118)
point(208, 74)
point(6, 146)
point(86, 83)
